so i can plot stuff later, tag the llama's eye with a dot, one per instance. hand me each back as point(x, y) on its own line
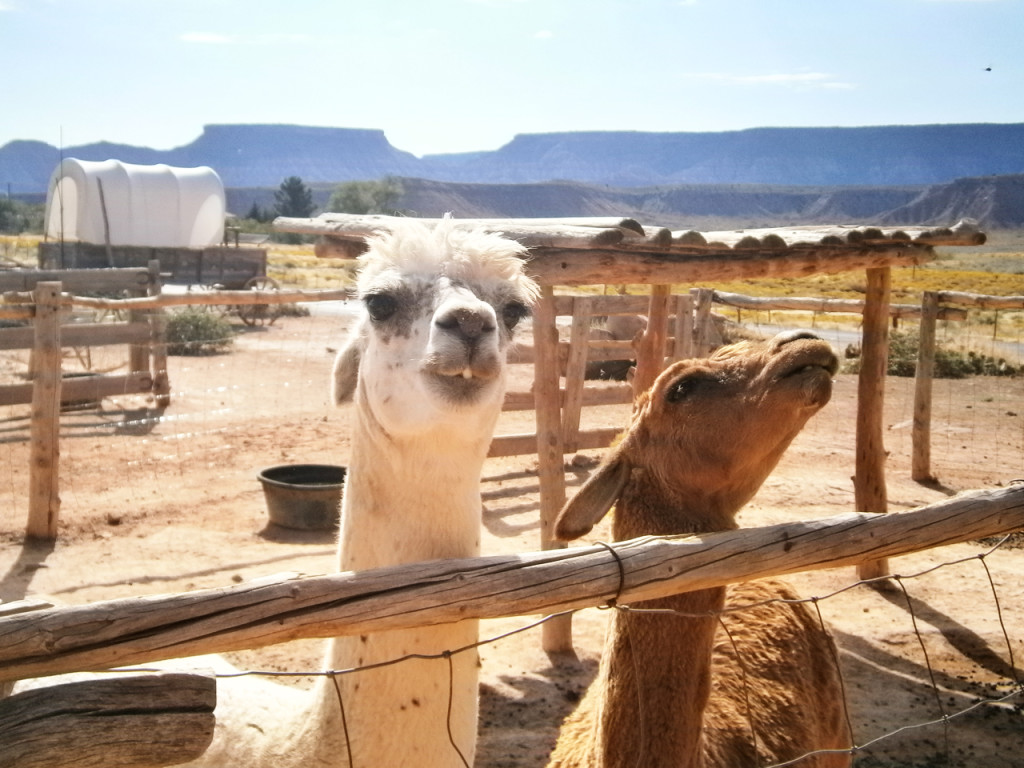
point(381, 306)
point(685, 386)
point(513, 312)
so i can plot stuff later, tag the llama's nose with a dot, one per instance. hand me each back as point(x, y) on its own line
point(467, 322)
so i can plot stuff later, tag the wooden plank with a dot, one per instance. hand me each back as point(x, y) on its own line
point(683, 342)
point(981, 301)
point(605, 393)
point(80, 335)
point(606, 304)
point(963, 233)
point(526, 444)
point(145, 629)
point(73, 280)
point(125, 722)
point(605, 266)
point(44, 461)
point(921, 436)
point(816, 304)
point(84, 388)
point(213, 298)
point(869, 481)
point(533, 233)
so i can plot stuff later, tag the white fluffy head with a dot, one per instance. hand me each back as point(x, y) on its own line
point(440, 305)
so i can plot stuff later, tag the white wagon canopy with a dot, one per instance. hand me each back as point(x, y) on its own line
point(122, 204)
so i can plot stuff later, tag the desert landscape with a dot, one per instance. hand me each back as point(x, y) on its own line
point(167, 501)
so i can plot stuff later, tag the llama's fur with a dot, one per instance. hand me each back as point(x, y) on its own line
point(674, 690)
point(426, 368)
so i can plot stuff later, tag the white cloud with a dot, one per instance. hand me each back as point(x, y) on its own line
point(791, 80)
point(215, 38)
point(543, 34)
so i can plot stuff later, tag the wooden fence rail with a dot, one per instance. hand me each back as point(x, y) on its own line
point(138, 630)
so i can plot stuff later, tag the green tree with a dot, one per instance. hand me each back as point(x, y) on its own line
point(366, 196)
point(17, 216)
point(10, 221)
point(255, 214)
point(294, 199)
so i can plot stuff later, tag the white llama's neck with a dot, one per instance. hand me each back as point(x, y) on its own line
point(405, 501)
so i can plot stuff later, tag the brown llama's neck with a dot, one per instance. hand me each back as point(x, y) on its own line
point(659, 666)
point(658, 682)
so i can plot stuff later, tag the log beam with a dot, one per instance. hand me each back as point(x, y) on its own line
point(143, 629)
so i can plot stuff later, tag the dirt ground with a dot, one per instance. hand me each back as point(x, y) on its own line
point(166, 502)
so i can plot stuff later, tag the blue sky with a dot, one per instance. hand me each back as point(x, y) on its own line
point(466, 75)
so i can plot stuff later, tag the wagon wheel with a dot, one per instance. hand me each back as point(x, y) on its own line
point(257, 314)
point(214, 309)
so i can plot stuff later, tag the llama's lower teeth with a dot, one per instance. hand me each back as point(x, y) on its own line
point(467, 373)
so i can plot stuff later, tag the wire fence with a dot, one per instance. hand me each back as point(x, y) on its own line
point(953, 720)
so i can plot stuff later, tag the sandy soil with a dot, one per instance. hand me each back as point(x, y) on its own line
point(156, 503)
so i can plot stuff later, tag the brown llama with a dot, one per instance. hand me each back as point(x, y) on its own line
point(674, 690)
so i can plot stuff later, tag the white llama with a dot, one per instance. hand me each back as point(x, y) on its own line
point(674, 691)
point(426, 367)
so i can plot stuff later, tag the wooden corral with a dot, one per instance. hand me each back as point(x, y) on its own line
point(572, 253)
point(49, 387)
point(44, 298)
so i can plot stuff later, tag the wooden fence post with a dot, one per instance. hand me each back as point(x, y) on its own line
point(920, 469)
point(869, 481)
point(158, 341)
point(556, 635)
point(683, 349)
point(44, 498)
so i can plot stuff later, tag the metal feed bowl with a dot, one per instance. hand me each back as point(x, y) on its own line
point(303, 496)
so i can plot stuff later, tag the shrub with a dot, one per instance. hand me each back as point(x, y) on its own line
point(949, 363)
point(195, 331)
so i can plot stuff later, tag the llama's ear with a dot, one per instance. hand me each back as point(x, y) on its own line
point(594, 498)
point(346, 370)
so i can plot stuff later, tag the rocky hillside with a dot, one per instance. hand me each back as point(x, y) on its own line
point(994, 202)
point(263, 155)
point(769, 176)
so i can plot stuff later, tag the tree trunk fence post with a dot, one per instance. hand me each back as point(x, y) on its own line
point(869, 479)
point(556, 635)
point(575, 372)
point(921, 469)
point(44, 497)
point(650, 357)
point(702, 322)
